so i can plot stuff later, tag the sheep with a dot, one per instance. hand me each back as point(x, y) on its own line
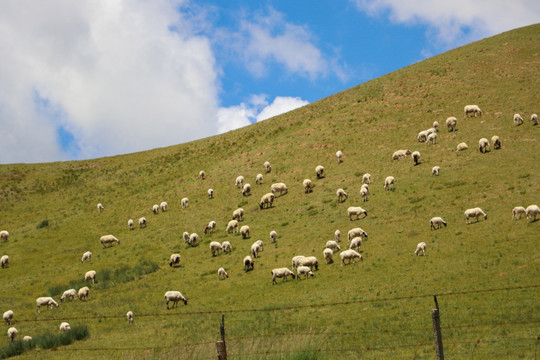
point(435, 170)
point(517, 212)
point(244, 231)
point(355, 243)
point(155, 209)
point(130, 224)
point(175, 297)
point(304, 270)
point(436, 223)
point(8, 317)
point(185, 236)
point(420, 247)
point(27, 338)
point(389, 183)
point(164, 206)
point(222, 274)
point(462, 147)
point(202, 175)
point(86, 256)
point(309, 261)
point(341, 195)
point(255, 249)
point(534, 119)
point(496, 142)
point(431, 139)
point(193, 238)
point(328, 254)
point(273, 236)
point(281, 187)
point(239, 181)
point(400, 153)
point(332, 245)
point(319, 171)
point(4, 235)
point(129, 316)
point(483, 145)
point(261, 244)
point(246, 190)
point(210, 193)
point(416, 157)
point(100, 207)
point(366, 178)
point(364, 193)
point(475, 212)
point(421, 137)
point(337, 235)
point(174, 260)
point(248, 263)
point(68, 294)
point(350, 255)
point(142, 222)
point(238, 214)
point(211, 226)
point(532, 211)
point(4, 261)
point(83, 293)
point(518, 120)
point(259, 179)
point(90, 275)
point(356, 232)
point(108, 239)
point(295, 260)
point(11, 333)
point(215, 248)
point(431, 131)
point(45, 301)
point(184, 202)
point(267, 199)
point(472, 109)
point(356, 210)
point(339, 156)
point(307, 186)
point(226, 247)
point(451, 123)
point(281, 273)
point(232, 226)
point(267, 167)
point(436, 125)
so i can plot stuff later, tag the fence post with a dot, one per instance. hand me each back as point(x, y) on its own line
point(437, 330)
point(220, 345)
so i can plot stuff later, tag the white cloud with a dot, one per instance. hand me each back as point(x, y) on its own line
point(280, 105)
point(234, 117)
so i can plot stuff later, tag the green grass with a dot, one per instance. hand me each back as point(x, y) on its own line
point(380, 308)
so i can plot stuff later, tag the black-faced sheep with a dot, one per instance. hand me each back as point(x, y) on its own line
point(339, 156)
point(4, 261)
point(267, 200)
point(108, 240)
point(532, 211)
point(130, 224)
point(328, 254)
point(129, 316)
point(267, 167)
point(45, 301)
point(341, 194)
point(248, 263)
point(259, 179)
point(436, 223)
point(356, 232)
point(232, 226)
point(472, 109)
point(70, 294)
point(164, 206)
point(518, 120)
point(356, 211)
point(83, 293)
point(389, 183)
point(281, 273)
point(12, 333)
point(8, 317)
point(239, 182)
point(534, 119)
point(155, 209)
point(142, 222)
point(211, 226)
point(175, 297)
point(416, 157)
point(273, 236)
point(496, 142)
point(475, 212)
point(400, 154)
point(244, 231)
point(303, 270)
point(483, 145)
point(451, 123)
point(435, 170)
point(100, 207)
point(366, 178)
point(202, 175)
point(238, 214)
point(350, 255)
point(184, 202)
point(86, 256)
point(246, 190)
point(215, 248)
point(4, 235)
point(174, 260)
point(210, 193)
point(319, 171)
point(222, 274)
point(307, 186)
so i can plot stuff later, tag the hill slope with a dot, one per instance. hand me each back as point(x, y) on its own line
point(382, 304)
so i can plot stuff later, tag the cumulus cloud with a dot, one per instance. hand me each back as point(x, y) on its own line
point(280, 105)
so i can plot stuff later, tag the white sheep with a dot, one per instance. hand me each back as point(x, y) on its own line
point(175, 259)
point(400, 154)
point(27, 338)
point(389, 183)
point(532, 211)
point(309, 261)
point(337, 235)
point(421, 137)
point(239, 181)
point(259, 179)
point(517, 212)
point(475, 212)
point(332, 245)
point(100, 207)
point(273, 236)
point(436, 125)
point(45, 301)
point(431, 131)
point(130, 224)
point(4, 235)
point(267, 167)
point(534, 119)
point(496, 142)
point(518, 120)
point(281, 187)
point(462, 147)
point(83, 293)
point(226, 247)
point(328, 254)
point(281, 273)
point(304, 270)
point(431, 139)
point(356, 210)
point(246, 190)
point(222, 274)
point(366, 178)
point(202, 175)
point(142, 222)
point(129, 316)
point(8, 317)
point(193, 239)
point(232, 226)
point(355, 243)
point(70, 294)
point(155, 209)
point(339, 156)
point(215, 248)
point(436, 223)
point(416, 157)
point(164, 206)
point(210, 193)
point(356, 232)
point(86, 256)
point(244, 231)
point(483, 145)
point(364, 192)
point(90, 275)
point(307, 186)
point(238, 214)
point(295, 260)
point(420, 247)
point(184, 202)
point(350, 255)
point(435, 170)
point(261, 244)
point(108, 239)
point(451, 123)
point(472, 109)
point(256, 248)
point(267, 199)
point(341, 195)
point(12, 333)
point(319, 171)
point(175, 297)
point(185, 236)
point(211, 226)
point(248, 263)
point(4, 261)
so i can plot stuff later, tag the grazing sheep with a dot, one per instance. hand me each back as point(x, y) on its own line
point(431, 131)
point(193, 238)
point(259, 179)
point(496, 142)
point(364, 192)
point(431, 139)
point(303, 270)
point(261, 244)
point(226, 247)
point(100, 207)
point(175, 297)
point(246, 190)
point(483, 145)
point(295, 260)
point(232, 226)
point(267, 167)
point(142, 222)
point(462, 147)
point(273, 236)
point(86, 256)
point(420, 247)
point(248, 263)
point(210, 193)
point(222, 274)
point(366, 178)
point(155, 209)
point(256, 248)
point(319, 171)
point(389, 183)
point(11, 333)
point(267, 199)
point(4, 235)
point(350, 255)
point(90, 275)
point(4, 261)
point(184, 202)
point(476, 212)
point(532, 211)
point(211, 226)
point(337, 235)
point(174, 260)
point(436, 125)
point(332, 245)
point(400, 154)
point(281, 187)
point(307, 186)
point(355, 243)
point(341, 195)
point(328, 254)
point(164, 206)
point(309, 261)
point(517, 212)
point(416, 157)
point(518, 120)
point(215, 248)
point(244, 231)
point(356, 210)
point(202, 175)
point(451, 123)
point(239, 181)
point(472, 109)
point(534, 119)
point(8, 317)
point(27, 338)
point(238, 214)
point(83, 293)
point(129, 316)
point(70, 294)
point(421, 137)
point(339, 156)
point(436, 223)
point(281, 273)
point(185, 236)
point(130, 224)
point(45, 301)
point(356, 232)
point(65, 327)
point(108, 239)
point(435, 170)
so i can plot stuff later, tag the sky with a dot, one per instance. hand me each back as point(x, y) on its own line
point(91, 78)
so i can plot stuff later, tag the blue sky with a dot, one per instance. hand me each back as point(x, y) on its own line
point(92, 78)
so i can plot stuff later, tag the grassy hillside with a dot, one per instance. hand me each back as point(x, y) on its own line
point(379, 308)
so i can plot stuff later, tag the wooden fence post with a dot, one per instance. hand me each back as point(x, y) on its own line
point(220, 345)
point(437, 330)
